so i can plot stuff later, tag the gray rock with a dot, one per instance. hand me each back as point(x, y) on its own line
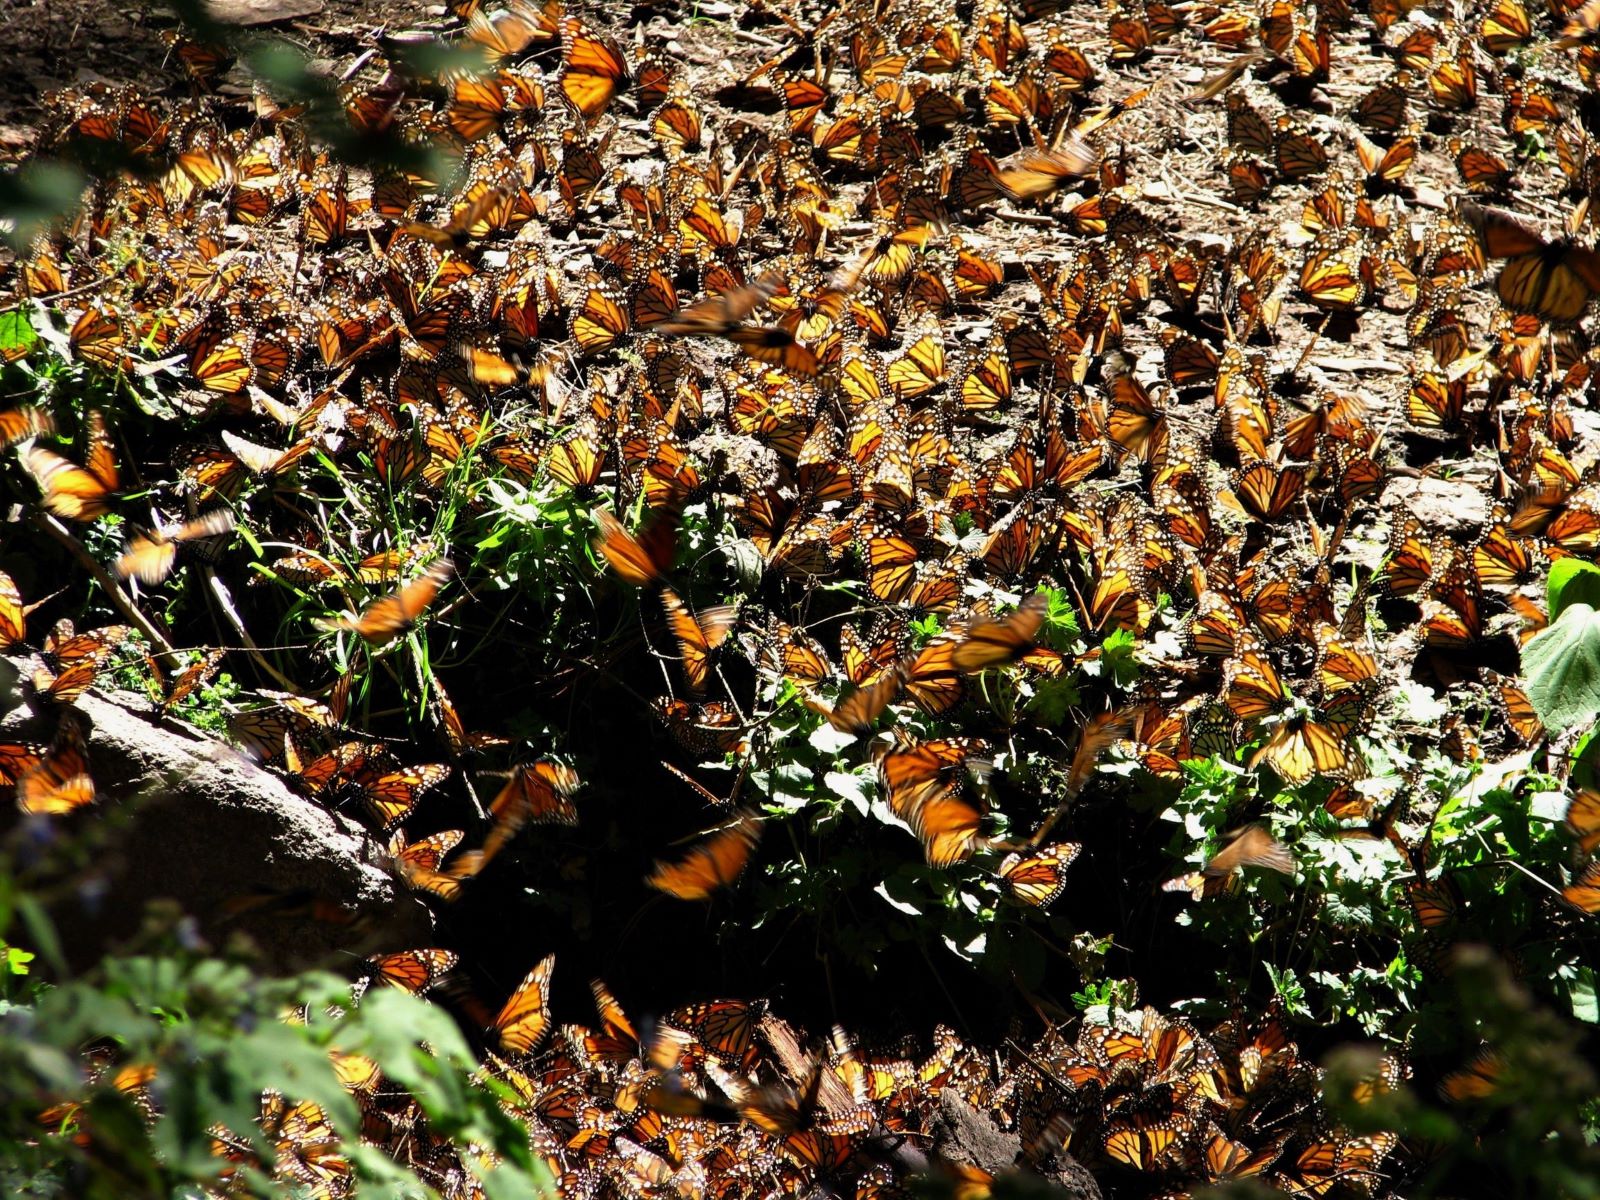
point(1456, 507)
point(962, 1134)
point(261, 12)
point(188, 819)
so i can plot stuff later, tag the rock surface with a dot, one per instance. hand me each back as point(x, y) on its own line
point(189, 819)
point(962, 1134)
point(261, 12)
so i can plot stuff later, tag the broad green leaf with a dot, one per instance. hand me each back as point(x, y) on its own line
point(1585, 1004)
point(1572, 581)
point(1562, 665)
point(16, 334)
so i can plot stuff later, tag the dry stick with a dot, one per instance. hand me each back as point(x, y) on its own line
point(224, 599)
point(123, 602)
point(1312, 345)
point(73, 291)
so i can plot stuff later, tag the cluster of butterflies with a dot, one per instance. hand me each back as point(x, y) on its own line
point(1154, 1094)
point(796, 299)
point(721, 1098)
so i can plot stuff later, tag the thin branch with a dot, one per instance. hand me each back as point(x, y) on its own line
point(120, 599)
point(224, 599)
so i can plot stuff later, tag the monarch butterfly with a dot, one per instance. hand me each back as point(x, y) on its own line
point(577, 459)
point(1452, 615)
point(1521, 717)
point(725, 1028)
point(654, 300)
point(592, 68)
point(1227, 1159)
point(641, 560)
point(706, 230)
point(1481, 171)
point(418, 863)
point(1555, 280)
point(790, 652)
point(1389, 165)
point(1038, 878)
point(720, 314)
point(97, 336)
point(13, 613)
point(1383, 109)
point(1479, 1078)
point(1434, 902)
point(676, 126)
point(945, 824)
point(1215, 627)
point(975, 275)
point(414, 971)
point(856, 712)
point(325, 210)
point(1335, 277)
point(506, 32)
point(987, 383)
point(524, 1020)
point(777, 346)
point(717, 862)
point(389, 616)
point(1337, 416)
point(150, 556)
point(1434, 401)
point(1454, 82)
point(920, 369)
point(1251, 687)
point(1529, 111)
point(1188, 362)
point(992, 643)
point(1302, 748)
point(1583, 893)
point(1144, 1142)
point(536, 793)
point(1352, 1162)
point(455, 732)
point(1248, 131)
point(391, 797)
point(891, 565)
point(78, 493)
point(1043, 172)
point(823, 1153)
point(1268, 492)
point(23, 422)
point(1410, 562)
point(77, 658)
point(599, 322)
point(1583, 819)
point(1340, 665)
point(698, 635)
point(1252, 846)
point(1297, 153)
point(1501, 559)
point(1135, 424)
point(58, 780)
point(474, 217)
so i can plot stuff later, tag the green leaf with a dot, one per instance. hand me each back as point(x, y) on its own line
point(1562, 664)
point(1572, 581)
point(16, 334)
point(1585, 1003)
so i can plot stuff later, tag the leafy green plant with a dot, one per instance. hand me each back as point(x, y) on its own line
point(1562, 661)
point(186, 1044)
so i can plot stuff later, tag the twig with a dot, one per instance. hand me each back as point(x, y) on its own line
point(224, 599)
point(73, 291)
point(124, 604)
point(1026, 218)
